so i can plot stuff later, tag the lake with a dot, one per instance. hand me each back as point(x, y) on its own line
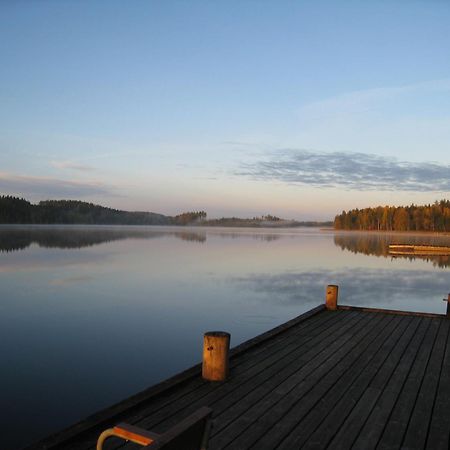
point(91, 315)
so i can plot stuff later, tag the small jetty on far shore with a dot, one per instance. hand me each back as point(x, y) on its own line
point(336, 377)
point(420, 250)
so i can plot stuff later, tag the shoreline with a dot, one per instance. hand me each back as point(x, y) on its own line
point(402, 233)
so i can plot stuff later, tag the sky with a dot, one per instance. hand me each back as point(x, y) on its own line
point(241, 108)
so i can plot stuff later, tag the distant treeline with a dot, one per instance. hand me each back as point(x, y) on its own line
point(435, 217)
point(262, 222)
point(15, 210)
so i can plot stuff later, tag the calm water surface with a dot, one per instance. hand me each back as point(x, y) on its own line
point(90, 315)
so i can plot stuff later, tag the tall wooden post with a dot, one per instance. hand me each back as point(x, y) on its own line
point(216, 346)
point(331, 299)
point(448, 306)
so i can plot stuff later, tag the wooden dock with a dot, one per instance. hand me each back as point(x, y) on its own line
point(350, 378)
point(419, 250)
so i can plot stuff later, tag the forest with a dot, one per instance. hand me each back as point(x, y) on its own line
point(432, 217)
point(14, 210)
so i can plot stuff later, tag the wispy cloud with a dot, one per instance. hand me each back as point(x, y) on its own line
point(357, 102)
point(404, 120)
point(353, 171)
point(51, 187)
point(71, 165)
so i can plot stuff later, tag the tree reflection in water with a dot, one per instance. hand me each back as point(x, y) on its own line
point(15, 238)
point(377, 244)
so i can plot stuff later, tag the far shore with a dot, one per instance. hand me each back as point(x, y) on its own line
point(411, 232)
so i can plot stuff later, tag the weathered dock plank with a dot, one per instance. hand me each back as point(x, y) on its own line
point(356, 409)
point(378, 417)
point(395, 428)
point(439, 432)
point(331, 401)
point(273, 407)
point(417, 431)
point(351, 378)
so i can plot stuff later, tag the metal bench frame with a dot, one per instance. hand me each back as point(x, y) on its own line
point(193, 432)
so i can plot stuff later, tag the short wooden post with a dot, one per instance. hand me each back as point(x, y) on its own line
point(448, 306)
point(216, 346)
point(331, 299)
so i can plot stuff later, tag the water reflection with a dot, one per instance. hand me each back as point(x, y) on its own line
point(18, 238)
point(255, 235)
point(358, 287)
point(377, 244)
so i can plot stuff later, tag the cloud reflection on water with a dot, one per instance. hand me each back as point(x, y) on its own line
point(358, 287)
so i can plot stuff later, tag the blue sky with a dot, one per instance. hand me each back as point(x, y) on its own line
point(299, 109)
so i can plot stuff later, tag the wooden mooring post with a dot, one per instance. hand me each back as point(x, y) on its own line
point(331, 298)
point(448, 305)
point(216, 346)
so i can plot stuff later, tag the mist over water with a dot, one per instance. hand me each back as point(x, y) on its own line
point(73, 298)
